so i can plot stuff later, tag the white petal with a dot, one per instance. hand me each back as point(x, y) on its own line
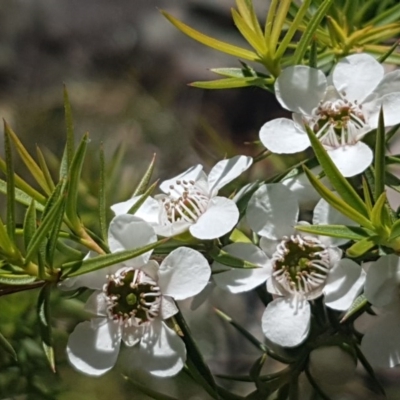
point(272, 211)
point(352, 159)
point(357, 75)
point(238, 280)
point(324, 214)
point(269, 245)
point(129, 232)
point(183, 273)
point(221, 216)
point(286, 321)
point(191, 174)
point(148, 211)
point(168, 307)
point(383, 276)
point(300, 88)
point(381, 342)
point(172, 229)
point(96, 304)
point(283, 136)
point(161, 351)
point(226, 171)
point(390, 104)
point(200, 298)
point(93, 347)
point(345, 282)
point(389, 84)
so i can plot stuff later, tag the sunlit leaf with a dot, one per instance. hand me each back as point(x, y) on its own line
point(338, 231)
point(229, 260)
point(358, 305)
point(144, 182)
point(358, 249)
point(16, 279)
point(229, 83)
point(29, 224)
point(44, 168)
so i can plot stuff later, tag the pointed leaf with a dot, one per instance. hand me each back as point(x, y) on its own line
point(357, 306)
point(367, 194)
point(70, 145)
point(73, 184)
point(30, 163)
point(229, 260)
point(144, 182)
point(230, 83)
point(143, 198)
point(44, 228)
point(6, 346)
point(360, 248)
point(80, 267)
point(10, 187)
point(338, 181)
point(102, 198)
point(395, 232)
point(15, 279)
point(338, 231)
point(379, 155)
point(43, 311)
point(380, 218)
point(44, 168)
point(29, 224)
point(211, 42)
point(5, 243)
point(336, 202)
point(308, 34)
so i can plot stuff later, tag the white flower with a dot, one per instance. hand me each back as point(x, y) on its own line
point(191, 203)
point(131, 304)
point(381, 342)
point(297, 267)
point(341, 109)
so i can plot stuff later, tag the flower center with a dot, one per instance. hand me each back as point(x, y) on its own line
point(339, 122)
point(186, 202)
point(300, 264)
point(132, 297)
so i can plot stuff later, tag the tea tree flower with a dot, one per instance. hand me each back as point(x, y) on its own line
point(190, 202)
point(381, 342)
point(297, 267)
point(341, 109)
point(130, 304)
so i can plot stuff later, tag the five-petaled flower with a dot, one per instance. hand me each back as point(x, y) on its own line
point(341, 109)
point(190, 202)
point(132, 301)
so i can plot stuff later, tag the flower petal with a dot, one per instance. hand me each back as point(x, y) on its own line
point(269, 246)
point(172, 229)
point(300, 88)
point(390, 104)
point(200, 298)
point(161, 351)
point(148, 211)
point(183, 273)
point(390, 83)
point(381, 342)
point(283, 136)
point(221, 216)
point(286, 321)
point(96, 304)
point(381, 284)
point(357, 75)
point(192, 174)
point(131, 335)
point(345, 282)
point(130, 232)
point(168, 307)
point(272, 211)
point(360, 155)
point(238, 280)
point(226, 171)
point(93, 347)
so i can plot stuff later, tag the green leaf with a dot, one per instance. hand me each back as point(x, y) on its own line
point(29, 224)
point(73, 184)
point(6, 346)
point(338, 231)
point(279, 20)
point(341, 185)
point(308, 34)
point(44, 228)
point(43, 311)
point(360, 248)
point(380, 149)
point(388, 16)
point(195, 356)
point(30, 163)
point(336, 202)
point(395, 232)
point(245, 72)
point(367, 194)
point(357, 306)
point(5, 242)
point(142, 198)
point(80, 267)
point(248, 13)
point(44, 168)
point(246, 334)
point(230, 83)
point(102, 198)
point(229, 260)
point(144, 182)
point(70, 129)
point(382, 59)
point(380, 218)
point(211, 42)
point(10, 186)
point(15, 279)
